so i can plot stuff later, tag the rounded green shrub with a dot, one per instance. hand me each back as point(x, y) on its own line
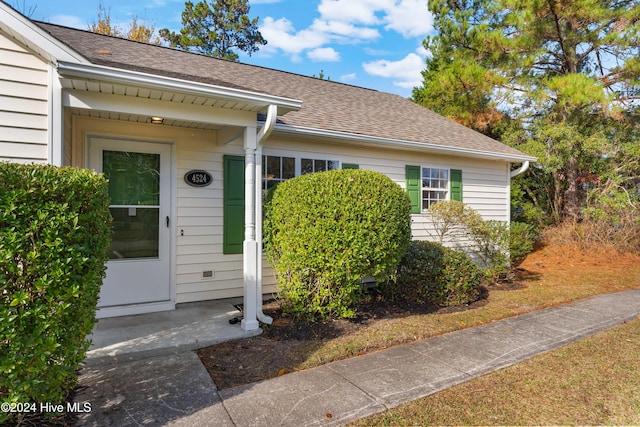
point(326, 231)
point(430, 272)
point(55, 229)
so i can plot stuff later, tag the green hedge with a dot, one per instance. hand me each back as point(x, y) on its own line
point(430, 272)
point(55, 229)
point(326, 231)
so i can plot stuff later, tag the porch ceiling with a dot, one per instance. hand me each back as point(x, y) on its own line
point(138, 103)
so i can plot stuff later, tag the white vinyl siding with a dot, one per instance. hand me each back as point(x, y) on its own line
point(24, 104)
point(485, 182)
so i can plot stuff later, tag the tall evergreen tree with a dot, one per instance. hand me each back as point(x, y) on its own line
point(568, 71)
point(217, 29)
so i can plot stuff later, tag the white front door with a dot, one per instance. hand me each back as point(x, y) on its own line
point(139, 268)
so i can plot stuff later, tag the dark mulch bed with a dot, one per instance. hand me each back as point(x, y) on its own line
point(287, 342)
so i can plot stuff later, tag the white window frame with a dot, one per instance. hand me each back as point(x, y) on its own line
point(298, 163)
point(315, 159)
point(430, 201)
point(265, 169)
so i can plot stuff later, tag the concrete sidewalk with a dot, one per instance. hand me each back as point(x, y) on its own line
point(175, 389)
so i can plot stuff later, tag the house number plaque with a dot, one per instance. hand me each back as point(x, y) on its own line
point(198, 178)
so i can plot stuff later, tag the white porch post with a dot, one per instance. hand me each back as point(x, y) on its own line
point(56, 119)
point(250, 245)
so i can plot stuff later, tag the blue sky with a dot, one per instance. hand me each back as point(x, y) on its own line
point(370, 43)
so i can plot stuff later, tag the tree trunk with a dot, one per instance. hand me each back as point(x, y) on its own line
point(571, 206)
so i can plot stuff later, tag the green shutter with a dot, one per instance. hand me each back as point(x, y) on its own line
point(456, 185)
point(412, 175)
point(350, 166)
point(233, 212)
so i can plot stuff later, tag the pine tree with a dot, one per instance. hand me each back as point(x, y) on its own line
point(217, 29)
point(568, 71)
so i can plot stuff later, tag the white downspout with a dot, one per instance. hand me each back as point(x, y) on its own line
point(263, 134)
point(521, 169)
point(269, 124)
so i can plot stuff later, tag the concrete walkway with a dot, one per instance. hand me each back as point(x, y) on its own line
point(189, 327)
point(175, 389)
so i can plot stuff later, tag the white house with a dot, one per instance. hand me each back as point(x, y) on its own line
point(153, 118)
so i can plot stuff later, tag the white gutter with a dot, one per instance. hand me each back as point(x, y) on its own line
point(157, 82)
point(398, 143)
point(263, 134)
point(520, 170)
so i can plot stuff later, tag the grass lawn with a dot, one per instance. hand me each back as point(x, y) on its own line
point(595, 381)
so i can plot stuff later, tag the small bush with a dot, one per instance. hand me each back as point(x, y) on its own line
point(491, 247)
point(430, 272)
point(326, 231)
point(55, 229)
point(453, 221)
point(488, 241)
point(521, 239)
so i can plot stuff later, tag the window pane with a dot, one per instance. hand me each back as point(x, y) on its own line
point(306, 166)
point(273, 167)
point(134, 178)
point(319, 165)
point(288, 167)
point(426, 172)
point(135, 233)
point(333, 165)
point(445, 174)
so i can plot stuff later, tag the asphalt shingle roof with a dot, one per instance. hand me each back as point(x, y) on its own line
point(326, 105)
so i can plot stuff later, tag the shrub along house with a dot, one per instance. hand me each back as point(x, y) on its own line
point(189, 142)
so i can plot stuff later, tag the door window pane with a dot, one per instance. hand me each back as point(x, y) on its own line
point(134, 178)
point(135, 233)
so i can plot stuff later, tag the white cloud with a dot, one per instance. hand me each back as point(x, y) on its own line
point(357, 11)
point(343, 31)
point(405, 72)
point(69, 21)
point(325, 54)
point(348, 77)
point(281, 34)
point(411, 18)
